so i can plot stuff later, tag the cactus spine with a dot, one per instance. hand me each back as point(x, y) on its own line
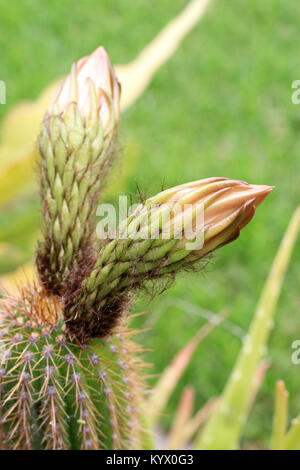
point(56, 393)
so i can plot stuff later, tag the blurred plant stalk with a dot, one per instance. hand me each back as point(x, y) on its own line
point(162, 391)
point(282, 438)
point(136, 76)
point(280, 417)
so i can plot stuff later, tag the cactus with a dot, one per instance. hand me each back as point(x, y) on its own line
point(70, 375)
point(57, 393)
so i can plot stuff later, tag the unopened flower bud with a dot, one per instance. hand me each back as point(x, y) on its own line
point(77, 146)
point(92, 85)
point(212, 210)
point(170, 231)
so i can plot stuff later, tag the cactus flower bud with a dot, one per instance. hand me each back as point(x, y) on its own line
point(91, 83)
point(170, 231)
point(77, 144)
point(225, 206)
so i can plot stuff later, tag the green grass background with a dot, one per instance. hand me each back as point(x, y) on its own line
point(220, 107)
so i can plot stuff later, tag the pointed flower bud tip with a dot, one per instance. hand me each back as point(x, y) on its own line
point(225, 207)
point(91, 82)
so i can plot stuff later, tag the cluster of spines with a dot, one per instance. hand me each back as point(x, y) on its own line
point(58, 394)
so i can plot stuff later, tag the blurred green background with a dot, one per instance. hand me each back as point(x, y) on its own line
point(220, 107)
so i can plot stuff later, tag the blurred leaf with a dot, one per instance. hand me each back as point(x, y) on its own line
point(280, 417)
point(225, 425)
point(292, 441)
point(170, 377)
point(182, 416)
point(146, 434)
point(10, 257)
point(19, 132)
point(258, 380)
point(17, 177)
point(136, 76)
point(19, 227)
point(194, 424)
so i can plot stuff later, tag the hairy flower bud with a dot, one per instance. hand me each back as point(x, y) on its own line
point(77, 146)
point(170, 231)
point(211, 212)
point(93, 86)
